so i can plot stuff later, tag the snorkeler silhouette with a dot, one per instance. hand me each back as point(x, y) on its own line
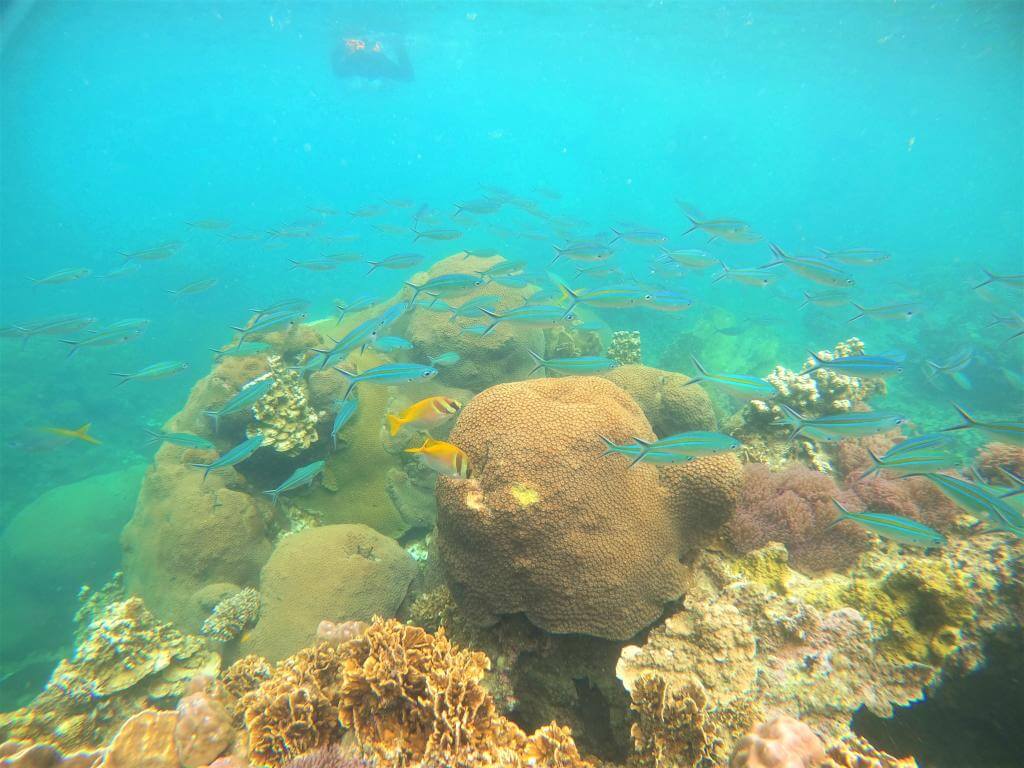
point(371, 59)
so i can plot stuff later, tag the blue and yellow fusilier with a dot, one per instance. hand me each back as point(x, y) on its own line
point(346, 410)
point(246, 397)
point(182, 439)
point(301, 476)
point(388, 373)
point(576, 365)
point(236, 455)
point(736, 384)
point(840, 425)
point(980, 503)
point(815, 270)
point(1002, 431)
point(533, 315)
point(861, 366)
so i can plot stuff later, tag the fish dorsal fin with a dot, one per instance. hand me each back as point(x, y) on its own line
point(84, 429)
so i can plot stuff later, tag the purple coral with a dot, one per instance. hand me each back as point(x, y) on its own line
point(330, 757)
point(795, 507)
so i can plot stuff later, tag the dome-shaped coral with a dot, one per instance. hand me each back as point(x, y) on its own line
point(576, 541)
point(668, 403)
point(703, 493)
point(783, 742)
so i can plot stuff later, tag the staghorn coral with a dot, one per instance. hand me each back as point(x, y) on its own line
point(671, 725)
point(338, 572)
point(283, 415)
point(625, 347)
point(127, 659)
point(856, 752)
point(203, 730)
point(23, 754)
point(668, 403)
point(783, 742)
point(232, 615)
point(540, 529)
point(821, 648)
point(145, 739)
point(794, 507)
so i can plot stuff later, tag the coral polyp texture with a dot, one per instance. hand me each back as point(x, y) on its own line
point(625, 347)
point(670, 404)
point(540, 528)
point(232, 615)
point(284, 416)
point(127, 658)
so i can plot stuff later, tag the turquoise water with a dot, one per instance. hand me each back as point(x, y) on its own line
point(895, 126)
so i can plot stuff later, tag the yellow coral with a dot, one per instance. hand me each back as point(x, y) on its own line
point(671, 727)
point(284, 416)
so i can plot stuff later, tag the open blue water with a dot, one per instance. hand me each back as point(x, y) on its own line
point(891, 125)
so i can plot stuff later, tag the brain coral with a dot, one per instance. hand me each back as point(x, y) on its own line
point(549, 527)
point(783, 742)
point(337, 572)
point(668, 404)
point(703, 493)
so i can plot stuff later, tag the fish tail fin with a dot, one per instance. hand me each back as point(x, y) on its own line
point(374, 264)
point(353, 379)
point(415, 232)
point(124, 378)
point(609, 446)
point(617, 235)
point(876, 465)
point(725, 271)
point(494, 317)
point(969, 421)
point(73, 346)
point(82, 433)
point(991, 279)
point(216, 420)
point(793, 419)
point(294, 263)
point(645, 447)
point(415, 291)
point(204, 467)
point(273, 496)
point(558, 254)
point(394, 423)
point(860, 309)
point(541, 362)
point(700, 369)
point(844, 514)
point(693, 223)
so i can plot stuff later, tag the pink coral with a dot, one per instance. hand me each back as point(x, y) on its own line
point(338, 632)
point(203, 730)
point(996, 456)
point(784, 742)
point(794, 507)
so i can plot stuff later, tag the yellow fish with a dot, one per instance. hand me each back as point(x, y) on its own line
point(82, 433)
point(425, 413)
point(442, 457)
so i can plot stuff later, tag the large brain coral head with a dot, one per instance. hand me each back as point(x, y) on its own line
point(577, 541)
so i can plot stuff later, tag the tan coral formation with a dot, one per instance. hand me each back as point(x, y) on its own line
point(759, 638)
point(127, 660)
point(782, 742)
point(668, 403)
point(284, 416)
point(145, 739)
point(24, 754)
point(549, 527)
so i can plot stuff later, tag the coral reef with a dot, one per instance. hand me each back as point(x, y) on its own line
point(187, 534)
point(330, 757)
point(820, 393)
point(127, 659)
point(702, 494)
point(571, 342)
point(794, 506)
point(232, 615)
point(625, 347)
point(669, 405)
point(203, 729)
point(23, 754)
point(283, 416)
point(541, 528)
point(783, 742)
point(855, 752)
point(760, 638)
point(338, 572)
point(994, 457)
point(484, 360)
point(146, 738)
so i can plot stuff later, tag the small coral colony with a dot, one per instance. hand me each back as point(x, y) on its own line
point(436, 528)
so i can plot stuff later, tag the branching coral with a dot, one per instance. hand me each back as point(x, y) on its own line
point(283, 415)
point(794, 507)
point(126, 657)
point(625, 347)
point(232, 615)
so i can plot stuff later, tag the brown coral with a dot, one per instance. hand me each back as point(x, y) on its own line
point(703, 493)
point(23, 754)
point(783, 742)
point(668, 403)
point(856, 752)
point(671, 727)
point(283, 415)
point(576, 541)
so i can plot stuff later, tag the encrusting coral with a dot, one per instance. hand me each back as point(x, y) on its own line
point(232, 615)
point(760, 638)
point(146, 738)
point(283, 416)
point(127, 660)
point(625, 347)
point(540, 528)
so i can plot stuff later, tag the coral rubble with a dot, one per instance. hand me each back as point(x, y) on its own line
point(625, 347)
